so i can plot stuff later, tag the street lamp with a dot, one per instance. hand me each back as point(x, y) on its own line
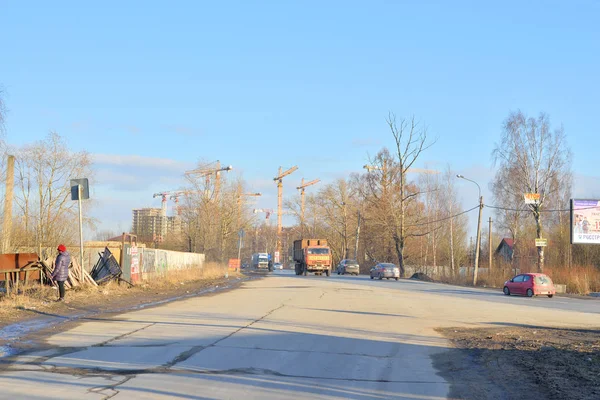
point(478, 241)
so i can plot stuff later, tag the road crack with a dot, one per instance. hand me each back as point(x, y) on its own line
point(195, 350)
point(122, 336)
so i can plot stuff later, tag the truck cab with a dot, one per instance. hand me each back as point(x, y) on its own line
point(312, 255)
point(260, 261)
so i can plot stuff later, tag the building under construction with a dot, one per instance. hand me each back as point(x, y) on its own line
point(152, 225)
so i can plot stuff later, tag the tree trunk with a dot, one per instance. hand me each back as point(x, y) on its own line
point(540, 249)
point(357, 237)
point(399, 242)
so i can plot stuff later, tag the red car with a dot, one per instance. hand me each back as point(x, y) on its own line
point(530, 285)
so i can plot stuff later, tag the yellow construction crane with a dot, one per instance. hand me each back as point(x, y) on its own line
point(302, 188)
point(279, 180)
point(207, 172)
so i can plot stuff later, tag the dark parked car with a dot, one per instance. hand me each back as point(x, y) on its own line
point(530, 285)
point(385, 270)
point(348, 267)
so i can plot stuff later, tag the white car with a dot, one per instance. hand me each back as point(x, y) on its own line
point(277, 266)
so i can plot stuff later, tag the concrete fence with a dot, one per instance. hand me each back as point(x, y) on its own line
point(137, 262)
point(154, 263)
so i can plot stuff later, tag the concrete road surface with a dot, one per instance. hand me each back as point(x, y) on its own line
point(282, 337)
point(581, 304)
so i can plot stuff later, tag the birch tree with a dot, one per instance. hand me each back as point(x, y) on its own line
point(532, 158)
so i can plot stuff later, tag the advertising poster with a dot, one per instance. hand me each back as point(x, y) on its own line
point(585, 221)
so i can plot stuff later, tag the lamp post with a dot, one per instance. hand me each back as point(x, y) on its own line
point(478, 240)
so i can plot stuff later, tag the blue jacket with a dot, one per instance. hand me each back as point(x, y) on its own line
point(61, 266)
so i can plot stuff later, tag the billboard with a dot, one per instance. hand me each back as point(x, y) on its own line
point(585, 221)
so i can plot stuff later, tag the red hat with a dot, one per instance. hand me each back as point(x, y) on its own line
point(61, 247)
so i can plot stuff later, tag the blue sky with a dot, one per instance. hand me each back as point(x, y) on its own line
point(150, 88)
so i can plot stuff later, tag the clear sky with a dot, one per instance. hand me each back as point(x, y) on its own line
point(149, 88)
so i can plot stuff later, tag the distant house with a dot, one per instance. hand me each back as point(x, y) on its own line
point(506, 249)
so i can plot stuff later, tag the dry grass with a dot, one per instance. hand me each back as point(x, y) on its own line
point(41, 298)
point(579, 279)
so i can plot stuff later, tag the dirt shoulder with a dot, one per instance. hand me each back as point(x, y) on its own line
point(25, 320)
point(522, 363)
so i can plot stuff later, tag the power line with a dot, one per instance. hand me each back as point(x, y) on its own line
point(529, 209)
point(445, 218)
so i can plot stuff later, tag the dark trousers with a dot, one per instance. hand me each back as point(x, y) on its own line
point(61, 289)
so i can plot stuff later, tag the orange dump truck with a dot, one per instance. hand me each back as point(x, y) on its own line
point(312, 255)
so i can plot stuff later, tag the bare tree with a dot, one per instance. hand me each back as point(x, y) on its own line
point(45, 212)
point(532, 158)
point(511, 217)
point(391, 191)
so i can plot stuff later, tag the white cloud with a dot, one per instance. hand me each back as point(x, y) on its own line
point(136, 173)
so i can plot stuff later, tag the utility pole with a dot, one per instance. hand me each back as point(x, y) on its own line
point(490, 247)
point(8, 203)
point(478, 244)
point(279, 180)
point(478, 240)
point(302, 188)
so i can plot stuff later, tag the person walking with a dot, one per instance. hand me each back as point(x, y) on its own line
point(61, 270)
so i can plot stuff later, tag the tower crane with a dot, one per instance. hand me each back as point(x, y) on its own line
point(302, 188)
point(164, 196)
point(175, 197)
point(208, 171)
point(163, 211)
point(239, 199)
point(279, 180)
point(267, 211)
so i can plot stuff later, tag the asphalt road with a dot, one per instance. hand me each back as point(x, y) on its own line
point(569, 303)
point(281, 337)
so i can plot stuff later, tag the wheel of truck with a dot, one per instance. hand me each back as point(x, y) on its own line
point(397, 278)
